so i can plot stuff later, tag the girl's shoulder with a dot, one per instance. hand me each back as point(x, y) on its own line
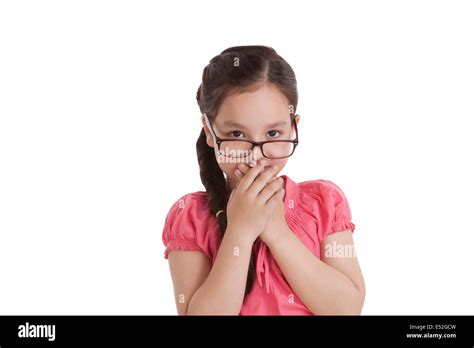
point(190, 205)
point(193, 197)
point(321, 188)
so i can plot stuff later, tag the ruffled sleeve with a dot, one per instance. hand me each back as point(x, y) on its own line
point(337, 209)
point(325, 203)
point(183, 224)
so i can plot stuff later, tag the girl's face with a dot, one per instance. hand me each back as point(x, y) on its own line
point(259, 115)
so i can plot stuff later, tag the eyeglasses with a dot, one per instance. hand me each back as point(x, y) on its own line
point(239, 148)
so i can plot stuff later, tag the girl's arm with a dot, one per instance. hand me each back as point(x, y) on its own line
point(332, 285)
point(220, 290)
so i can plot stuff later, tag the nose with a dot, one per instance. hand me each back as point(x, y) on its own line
point(258, 152)
point(256, 155)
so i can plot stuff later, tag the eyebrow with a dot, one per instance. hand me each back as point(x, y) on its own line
point(238, 125)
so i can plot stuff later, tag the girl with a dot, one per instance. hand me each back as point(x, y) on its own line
point(294, 238)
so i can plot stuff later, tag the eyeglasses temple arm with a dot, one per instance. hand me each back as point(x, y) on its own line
point(210, 127)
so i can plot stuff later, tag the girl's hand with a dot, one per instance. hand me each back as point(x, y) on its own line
point(277, 224)
point(253, 201)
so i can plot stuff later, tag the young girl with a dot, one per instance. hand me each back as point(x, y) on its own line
point(255, 243)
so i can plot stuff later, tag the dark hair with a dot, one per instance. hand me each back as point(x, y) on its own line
point(236, 69)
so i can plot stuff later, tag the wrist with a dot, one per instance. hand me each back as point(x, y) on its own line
point(240, 235)
point(278, 239)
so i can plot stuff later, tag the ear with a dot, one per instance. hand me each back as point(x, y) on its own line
point(297, 118)
point(209, 139)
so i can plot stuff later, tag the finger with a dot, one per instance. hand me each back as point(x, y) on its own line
point(239, 174)
point(244, 168)
point(249, 178)
point(252, 163)
point(270, 190)
point(262, 180)
point(277, 198)
point(275, 178)
point(231, 194)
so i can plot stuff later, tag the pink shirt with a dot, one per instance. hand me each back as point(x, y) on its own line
point(314, 209)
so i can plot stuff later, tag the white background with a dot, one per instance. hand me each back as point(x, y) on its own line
point(92, 94)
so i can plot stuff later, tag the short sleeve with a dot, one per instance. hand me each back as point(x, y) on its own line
point(182, 224)
point(338, 211)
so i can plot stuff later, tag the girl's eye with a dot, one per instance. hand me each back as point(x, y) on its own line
point(239, 134)
point(273, 134)
point(235, 134)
